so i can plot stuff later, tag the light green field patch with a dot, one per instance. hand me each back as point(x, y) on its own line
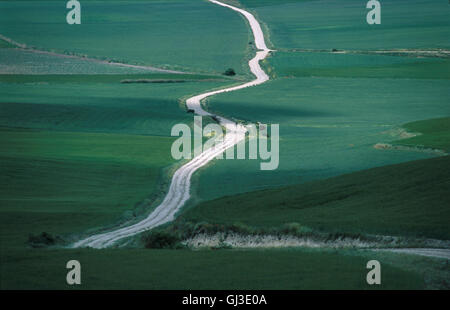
point(194, 36)
point(66, 182)
point(434, 133)
point(328, 126)
point(342, 24)
point(358, 65)
point(94, 170)
point(103, 105)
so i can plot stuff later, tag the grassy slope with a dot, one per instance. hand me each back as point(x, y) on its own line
point(324, 64)
point(160, 33)
point(342, 24)
point(82, 150)
point(407, 199)
point(346, 102)
point(65, 182)
point(328, 126)
point(81, 155)
point(102, 105)
point(44, 268)
point(435, 133)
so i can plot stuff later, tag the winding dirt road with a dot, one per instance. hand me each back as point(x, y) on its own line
point(179, 189)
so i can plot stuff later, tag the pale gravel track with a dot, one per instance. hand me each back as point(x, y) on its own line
point(179, 188)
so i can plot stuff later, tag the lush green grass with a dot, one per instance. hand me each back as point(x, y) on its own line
point(435, 133)
point(328, 126)
point(180, 34)
point(99, 106)
point(410, 199)
point(68, 182)
point(82, 152)
point(181, 269)
point(333, 108)
point(105, 154)
point(357, 66)
point(342, 24)
point(104, 78)
point(75, 181)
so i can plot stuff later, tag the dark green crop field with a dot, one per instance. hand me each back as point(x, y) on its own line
point(184, 269)
point(408, 199)
point(66, 182)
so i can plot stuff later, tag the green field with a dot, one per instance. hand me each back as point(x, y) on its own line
point(408, 199)
point(332, 107)
point(326, 64)
point(66, 182)
point(176, 34)
point(433, 133)
point(83, 151)
point(328, 126)
point(102, 105)
point(184, 269)
point(331, 24)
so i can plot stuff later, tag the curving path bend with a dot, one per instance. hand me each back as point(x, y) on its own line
point(179, 188)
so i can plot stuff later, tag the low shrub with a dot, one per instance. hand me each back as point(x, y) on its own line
point(43, 239)
point(229, 72)
point(161, 240)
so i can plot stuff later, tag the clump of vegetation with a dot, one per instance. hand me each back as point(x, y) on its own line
point(42, 240)
point(173, 235)
point(188, 229)
point(229, 72)
point(161, 240)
